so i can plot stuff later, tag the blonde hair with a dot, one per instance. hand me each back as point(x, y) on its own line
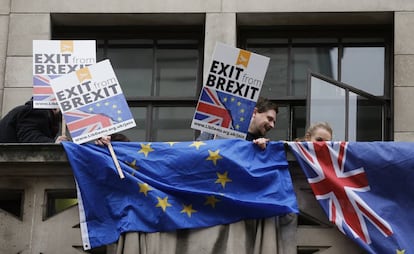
point(314, 126)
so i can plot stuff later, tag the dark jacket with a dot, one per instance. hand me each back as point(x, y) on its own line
point(23, 124)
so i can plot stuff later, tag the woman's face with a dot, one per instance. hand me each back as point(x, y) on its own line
point(320, 134)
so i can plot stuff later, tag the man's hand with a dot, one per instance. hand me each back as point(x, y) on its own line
point(60, 139)
point(105, 140)
point(261, 142)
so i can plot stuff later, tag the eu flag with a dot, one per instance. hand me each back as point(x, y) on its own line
point(240, 110)
point(176, 185)
point(365, 188)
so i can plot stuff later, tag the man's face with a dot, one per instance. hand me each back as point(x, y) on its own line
point(263, 122)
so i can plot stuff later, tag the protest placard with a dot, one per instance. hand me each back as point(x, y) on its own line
point(54, 58)
point(92, 102)
point(230, 92)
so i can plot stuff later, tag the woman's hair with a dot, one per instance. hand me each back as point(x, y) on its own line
point(314, 126)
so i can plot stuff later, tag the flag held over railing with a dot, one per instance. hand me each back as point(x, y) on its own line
point(365, 188)
point(177, 185)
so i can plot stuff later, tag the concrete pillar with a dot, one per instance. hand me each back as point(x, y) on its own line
point(404, 77)
point(220, 27)
point(4, 29)
point(23, 29)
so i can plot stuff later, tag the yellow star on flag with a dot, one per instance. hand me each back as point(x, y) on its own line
point(214, 156)
point(146, 149)
point(400, 251)
point(171, 143)
point(163, 203)
point(144, 188)
point(222, 179)
point(211, 200)
point(197, 144)
point(133, 164)
point(188, 209)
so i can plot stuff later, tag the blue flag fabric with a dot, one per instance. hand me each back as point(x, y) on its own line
point(365, 188)
point(169, 186)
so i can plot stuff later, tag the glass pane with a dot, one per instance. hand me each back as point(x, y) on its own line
point(369, 120)
point(327, 103)
point(323, 60)
point(275, 82)
point(138, 132)
point(363, 68)
point(177, 72)
point(133, 68)
point(172, 124)
point(100, 51)
point(299, 122)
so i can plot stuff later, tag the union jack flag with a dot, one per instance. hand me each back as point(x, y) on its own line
point(81, 123)
point(42, 91)
point(354, 183)
point(211, 110)
point(225, 110)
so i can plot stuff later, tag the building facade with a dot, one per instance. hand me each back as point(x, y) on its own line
point(323, 53)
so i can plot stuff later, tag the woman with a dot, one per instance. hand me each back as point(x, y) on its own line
point(320, 131)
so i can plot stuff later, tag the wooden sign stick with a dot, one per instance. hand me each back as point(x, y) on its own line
point(63, 127)
point(115, 159)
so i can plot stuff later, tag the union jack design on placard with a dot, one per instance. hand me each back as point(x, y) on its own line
point(211, 110)
point(334, 180)
point(81, 123)
point(42, 91)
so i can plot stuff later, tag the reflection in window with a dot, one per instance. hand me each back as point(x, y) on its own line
point(172, 123)
point(275, 83)
point(137, 133)
point(363, 68)
point(153, 67)
point(353, 117)
point(177, 72)
point(368, 121)
point(354, 56)
point(157, 67)
point(322, 60)
point(134, 74)
point(327, 103)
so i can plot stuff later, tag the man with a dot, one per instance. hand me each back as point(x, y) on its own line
point(24, 124)
point(262, 121)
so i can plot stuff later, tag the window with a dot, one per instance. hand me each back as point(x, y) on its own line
point(354, 115)
point(160, 72)
point(11, 201)
point(58, 201)
point(356, 56)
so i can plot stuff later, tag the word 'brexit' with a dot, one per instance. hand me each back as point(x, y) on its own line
point(82, 94)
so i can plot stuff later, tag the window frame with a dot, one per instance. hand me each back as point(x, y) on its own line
point(357, 32)
point(153, 33)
